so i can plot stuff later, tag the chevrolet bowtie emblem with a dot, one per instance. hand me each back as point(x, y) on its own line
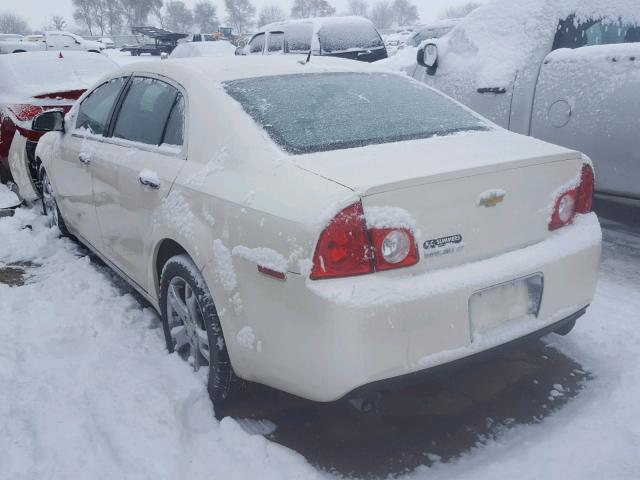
point(491, 198)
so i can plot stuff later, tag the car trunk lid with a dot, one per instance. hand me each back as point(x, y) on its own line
point(471, 196)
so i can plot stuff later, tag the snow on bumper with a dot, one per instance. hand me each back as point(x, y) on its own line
point(333, 336)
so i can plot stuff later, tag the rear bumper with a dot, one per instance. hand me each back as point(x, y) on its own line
point(323, 339)
point(420, 376)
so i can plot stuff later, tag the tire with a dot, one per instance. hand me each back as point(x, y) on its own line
point(566, 328)
point(49, 204)
point(184, 293)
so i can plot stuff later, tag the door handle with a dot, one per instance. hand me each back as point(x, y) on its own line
point(149, 183)
point(84, 159)
point(496, 90)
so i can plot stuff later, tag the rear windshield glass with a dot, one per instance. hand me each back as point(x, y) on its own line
point(341, 37)
point(330, 111)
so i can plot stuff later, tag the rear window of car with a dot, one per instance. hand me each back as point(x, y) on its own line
point(341, 37)
point(316, 112)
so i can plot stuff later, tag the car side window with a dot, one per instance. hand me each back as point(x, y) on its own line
point(256, 45)
point(94, 111)
point(275, 43)
point(174, 130)
point(573, 33)
point(145, 110)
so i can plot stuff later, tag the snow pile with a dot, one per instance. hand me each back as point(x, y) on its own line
point(88, 390)
point(203, 49)
point(264, 257)
point(389, 217)
point(8, 199)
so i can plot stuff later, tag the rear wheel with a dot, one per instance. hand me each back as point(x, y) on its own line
point(192, 328)
point(49, 204)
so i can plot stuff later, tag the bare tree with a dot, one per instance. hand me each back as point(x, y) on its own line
point(83, 13)
point(382, 14)
point(136, 12)
point(179, 17)
point(58, 23)
point(204, 16)
point(271, 14)
point(460, 10)
point(11, 23)
point(405, 12)
point(312, 8)
point(240, 15)
point(358, 7)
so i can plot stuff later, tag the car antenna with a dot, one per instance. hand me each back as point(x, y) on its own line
point(307, 60)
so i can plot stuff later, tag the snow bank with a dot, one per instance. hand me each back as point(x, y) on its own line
point(88, 390)
point(8, 199)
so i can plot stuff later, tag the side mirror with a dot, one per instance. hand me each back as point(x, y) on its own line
point(239, 51)
point(49, 121)
point(428, 57)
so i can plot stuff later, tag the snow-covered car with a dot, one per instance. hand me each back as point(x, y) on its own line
point(30, 84)
point(352, 37)
point(59, 41)
point(203, 49)
point(107, 42)
point(433, 30)
point(317, 243)
point(565, 71)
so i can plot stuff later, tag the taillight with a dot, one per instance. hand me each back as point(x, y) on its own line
point(585, 190)
point(393, 248)
point(25, 112)
point(344, 248)
point(347, 248)
point(575, 200)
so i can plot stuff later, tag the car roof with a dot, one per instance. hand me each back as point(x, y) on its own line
point(239, 67)
point(317, 22)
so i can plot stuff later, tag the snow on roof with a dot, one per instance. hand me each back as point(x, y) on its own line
point(203, 49)
point(227, 68)
point(318, 22)
point(499, 38)
point(26, 75)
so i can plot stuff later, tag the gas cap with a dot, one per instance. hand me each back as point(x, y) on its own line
point(559, 113)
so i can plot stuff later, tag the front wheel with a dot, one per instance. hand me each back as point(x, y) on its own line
point(49, 204)
point(192, 328)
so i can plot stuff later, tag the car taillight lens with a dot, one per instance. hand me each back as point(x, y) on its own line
point(25, 112)
point(393, 248)
point(346, 248)
point(585, 190)
point(576, 200)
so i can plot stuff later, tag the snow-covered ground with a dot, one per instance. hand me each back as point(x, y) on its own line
point(87, 389)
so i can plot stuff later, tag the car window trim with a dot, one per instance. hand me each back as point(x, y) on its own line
point(110, 139)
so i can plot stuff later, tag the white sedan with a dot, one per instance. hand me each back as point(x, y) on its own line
point(320, 227)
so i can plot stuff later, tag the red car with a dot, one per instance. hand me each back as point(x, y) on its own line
point(31, 83)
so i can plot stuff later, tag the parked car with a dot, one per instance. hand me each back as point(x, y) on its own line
point(432, 30)
point(203, 49)
point(317, 240)
point(354, 38)
point(107, 42)
point(59, 41)
point(565, 72)
point(30, 84)
point(10, 36)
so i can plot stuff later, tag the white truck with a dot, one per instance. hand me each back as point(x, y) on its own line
point(51, 41)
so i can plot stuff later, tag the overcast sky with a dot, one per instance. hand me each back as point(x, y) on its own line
point(39, 12)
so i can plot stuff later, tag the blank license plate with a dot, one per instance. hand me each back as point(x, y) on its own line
point(504, 303)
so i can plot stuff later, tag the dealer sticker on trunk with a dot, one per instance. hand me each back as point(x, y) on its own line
point(443, 245)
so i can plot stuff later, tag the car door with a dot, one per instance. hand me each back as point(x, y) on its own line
point(80, 146)
point(142, 157)
point(586, 98)
point(256, 45)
